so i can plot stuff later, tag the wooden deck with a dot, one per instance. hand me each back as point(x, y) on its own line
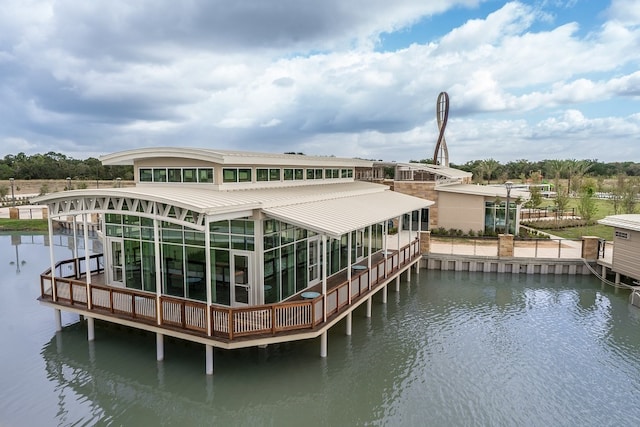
point(295, 318)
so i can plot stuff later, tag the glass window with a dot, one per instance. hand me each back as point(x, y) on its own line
point(318, 173)
point(174, 175)
point(298, 174)
point(219, 226)
point(189, 175)
point(229, 175)
point(262, 174)
point(274, 174)
point(171, 235)
point(288, 174)
point(219, 240)
point(146, 175)
point(205, 175)
point(160, 175)
point(244, 175)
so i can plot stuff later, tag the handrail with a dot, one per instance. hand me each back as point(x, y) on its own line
point(225, 322)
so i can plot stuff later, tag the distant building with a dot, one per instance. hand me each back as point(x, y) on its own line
point(459, 204)
point(626, 246)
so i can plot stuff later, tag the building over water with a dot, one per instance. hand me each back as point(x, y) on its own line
point(233, 249)
point(626, 246)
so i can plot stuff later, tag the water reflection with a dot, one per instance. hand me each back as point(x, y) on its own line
point(452, 348)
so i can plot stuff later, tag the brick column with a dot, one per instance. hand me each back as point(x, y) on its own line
point(505, 245)
point(14, 213)
point(590, 247)
point(425, 242)
point(45, 213)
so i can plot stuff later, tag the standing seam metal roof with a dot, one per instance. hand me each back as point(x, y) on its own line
point(333, 209)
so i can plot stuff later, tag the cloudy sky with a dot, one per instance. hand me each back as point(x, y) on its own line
point(540, 79)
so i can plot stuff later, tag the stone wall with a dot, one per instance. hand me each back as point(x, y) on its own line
point(423, 190)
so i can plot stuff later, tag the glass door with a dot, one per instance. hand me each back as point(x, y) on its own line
point(116, 258)
point(314, 252)
point(241, 279)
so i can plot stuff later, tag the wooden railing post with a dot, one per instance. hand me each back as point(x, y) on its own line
point(230, 319)
point(273, 319)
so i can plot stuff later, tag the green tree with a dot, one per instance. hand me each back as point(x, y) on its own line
point(630, 195)
point(561, 202)
point(488, 169)
point(587, 205)
point(555, 169)
point(535, 198)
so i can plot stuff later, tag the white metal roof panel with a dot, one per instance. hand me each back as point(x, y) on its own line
point(482, 190)
point(625, 221)
point(341, 215)
point(203, 199)
point(230, 157)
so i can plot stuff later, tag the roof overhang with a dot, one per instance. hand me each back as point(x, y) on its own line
point(336, 217)
point(626, 222)
point(482, 190)
point(229, 157)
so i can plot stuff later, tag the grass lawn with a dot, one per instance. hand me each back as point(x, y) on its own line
point(23, 224)
point(604, 208)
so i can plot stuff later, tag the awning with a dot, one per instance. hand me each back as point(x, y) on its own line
point(338, 216)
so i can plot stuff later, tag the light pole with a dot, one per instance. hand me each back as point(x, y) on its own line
point(13, 197)
point(68, 183)
point(508, 185)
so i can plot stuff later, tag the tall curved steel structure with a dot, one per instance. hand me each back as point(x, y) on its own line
point(441, 153)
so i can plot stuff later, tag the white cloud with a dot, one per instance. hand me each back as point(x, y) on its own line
point(120, 74)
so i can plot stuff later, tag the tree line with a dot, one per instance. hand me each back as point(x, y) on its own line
point(570, 178)
point(58, 166)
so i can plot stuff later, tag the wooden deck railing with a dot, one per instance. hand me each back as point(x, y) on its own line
point(226, 322)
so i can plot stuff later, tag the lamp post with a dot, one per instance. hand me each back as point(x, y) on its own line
point(68, 183)
point(118, 182)
point(508, 185)
point(13, 197)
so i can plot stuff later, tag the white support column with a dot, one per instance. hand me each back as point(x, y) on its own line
point(384, 294)
point(604, 272)
point(75, 237)
point(369, 307)
point(324, 277)
point(349, 322)
point(58, 316)
point(349, 261)
point(52, 258)
point(617, 278)
point(87, 257)
point(207, 271)
point(158, 265)
point(398, 229)
point(398, 284)
point(323, 344)
point(369, 258)
point(409, 275)
point(208, 350)
point(159, 347)
point(91, 331)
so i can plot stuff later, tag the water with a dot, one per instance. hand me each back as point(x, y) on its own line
point(450, 349)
